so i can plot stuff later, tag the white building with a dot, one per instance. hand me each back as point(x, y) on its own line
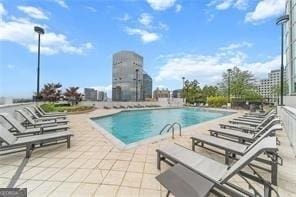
point(267, 87)
point(290, 43)
point(90, 94)
point(127, 76)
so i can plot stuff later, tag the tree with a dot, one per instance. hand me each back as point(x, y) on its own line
point(276, 89)
point(51, 92)
point(192, 91)
point(73, 95)
point(241, 83)
point(208, 91)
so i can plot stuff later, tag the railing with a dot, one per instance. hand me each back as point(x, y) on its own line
point(172, 127)
point(164, 128)
point(288, 116)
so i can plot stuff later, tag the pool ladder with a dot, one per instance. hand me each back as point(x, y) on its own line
point(171, 127)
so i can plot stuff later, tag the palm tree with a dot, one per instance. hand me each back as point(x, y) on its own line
point(51, 92)
point(73, 95)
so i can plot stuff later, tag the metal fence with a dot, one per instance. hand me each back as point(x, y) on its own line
point(288, 116)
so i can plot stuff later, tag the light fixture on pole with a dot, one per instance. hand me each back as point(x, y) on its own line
point(40, 31)
point(183, 78)
point(229, 72)
point(137, 72)
point(281, 21)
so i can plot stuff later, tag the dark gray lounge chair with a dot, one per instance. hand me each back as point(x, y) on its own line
point(256, 114)
point(246, 128)
point(240, 136)
point(35, 116)
point(35, 123)
point(20, 129)
point(10, 142)
point(215, 172)
point(231, 149)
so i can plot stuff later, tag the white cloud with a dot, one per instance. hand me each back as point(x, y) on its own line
point(266, 9)
point(178, 7)
point(2, 11)
point(145, 19)
point(161, 5)
point(11, 66)
point(192, 66)
point(146, 28)
point(92, 9)
point(33, 12)
point(237, 46)
point(21, 31)
point(62, 3)
point(124, 18)
point(226, 4)
point(145, 36)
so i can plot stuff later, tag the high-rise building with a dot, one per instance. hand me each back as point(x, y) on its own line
point(290, 43)
point(127, 77)
point(101, 96)
point(269, 88)
point(147, 86)
point(90, 94)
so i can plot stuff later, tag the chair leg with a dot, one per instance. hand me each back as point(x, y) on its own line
point(68, 142)
point(274, 172)
point(193, 145)
point(168, 194)
point(227, 157)
point(28, 150)
point(158, 160)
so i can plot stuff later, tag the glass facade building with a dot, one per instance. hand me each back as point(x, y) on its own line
point(127, 76)
point(290, 43)
point(147, 86)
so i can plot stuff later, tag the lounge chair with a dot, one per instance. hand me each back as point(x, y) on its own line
point(247, 128)
point(231, 149)
point(11, 142)
point(122, 107)
point(239, 136)
point(115, 107)
point(20, 129)
point(105, 107)
point(215, 172)
point(35, 123)
point(260, 115)
point(35, 116)
point(41, 114)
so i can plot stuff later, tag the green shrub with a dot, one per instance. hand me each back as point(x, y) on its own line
point(216, 101)
point(48, 107)
point(55, 107)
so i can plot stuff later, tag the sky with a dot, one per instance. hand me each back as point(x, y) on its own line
point(195, 39)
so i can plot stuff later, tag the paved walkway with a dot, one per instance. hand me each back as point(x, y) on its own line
point(93, 166)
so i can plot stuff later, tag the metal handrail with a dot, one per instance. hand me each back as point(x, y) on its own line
point(173, 129)
point(164, 128)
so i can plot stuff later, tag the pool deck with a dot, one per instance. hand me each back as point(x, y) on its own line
point(95, 166)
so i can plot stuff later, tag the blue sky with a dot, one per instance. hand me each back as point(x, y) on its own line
point(197, 39)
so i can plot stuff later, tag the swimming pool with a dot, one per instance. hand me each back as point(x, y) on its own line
point(133, 126)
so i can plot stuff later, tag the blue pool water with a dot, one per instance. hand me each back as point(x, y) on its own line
point(133, 126)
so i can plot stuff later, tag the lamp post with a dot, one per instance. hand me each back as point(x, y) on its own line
point(229, 72)
point(281, 21)
point(40, 31)
point(183, 78)
point(137, 72)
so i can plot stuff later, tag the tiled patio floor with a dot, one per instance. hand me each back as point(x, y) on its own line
point(93, 166)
